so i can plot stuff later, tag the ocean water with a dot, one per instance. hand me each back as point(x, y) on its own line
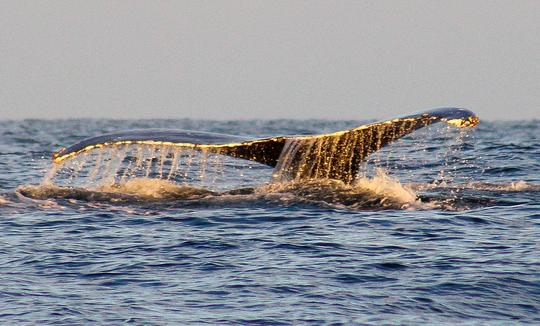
point(442, 227)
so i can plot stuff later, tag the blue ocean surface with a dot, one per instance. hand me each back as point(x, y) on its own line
point(442, 227)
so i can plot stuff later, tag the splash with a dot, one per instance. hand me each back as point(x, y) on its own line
point(367, 193)
point(389, 188)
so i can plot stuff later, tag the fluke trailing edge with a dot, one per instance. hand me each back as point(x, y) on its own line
point(336, 155)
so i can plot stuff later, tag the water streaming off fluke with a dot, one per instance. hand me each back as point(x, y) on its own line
point(197, 157)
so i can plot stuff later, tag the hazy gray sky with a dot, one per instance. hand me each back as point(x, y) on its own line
point(268, 59)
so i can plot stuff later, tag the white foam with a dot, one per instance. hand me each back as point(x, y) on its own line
point(390, 188)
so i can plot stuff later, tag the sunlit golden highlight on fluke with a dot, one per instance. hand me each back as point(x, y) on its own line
point(328, 156)
point(464, 123)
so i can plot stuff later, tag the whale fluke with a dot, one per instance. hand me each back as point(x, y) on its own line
point(336, 155)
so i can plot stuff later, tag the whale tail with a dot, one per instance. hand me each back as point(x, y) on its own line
point(336, 155)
